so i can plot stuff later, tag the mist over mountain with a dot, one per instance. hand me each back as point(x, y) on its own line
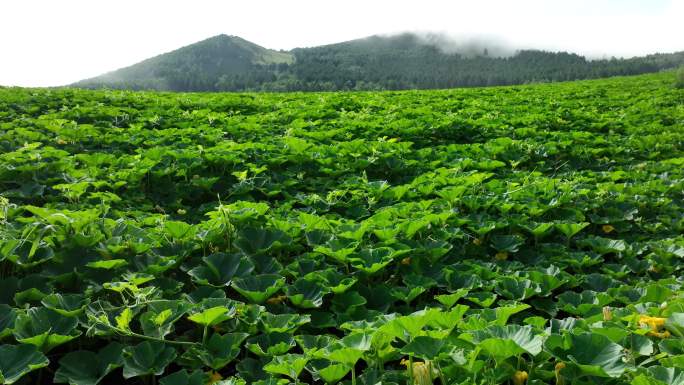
point(391, 62)
point(467, 46)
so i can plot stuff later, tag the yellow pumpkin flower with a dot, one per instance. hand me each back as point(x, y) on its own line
point(607, 313)
point(421, 372)
point(559, 379)
point(665, 334)
point(214, 377)
point(654, 323)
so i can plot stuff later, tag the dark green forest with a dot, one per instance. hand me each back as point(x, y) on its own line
point(229, 63)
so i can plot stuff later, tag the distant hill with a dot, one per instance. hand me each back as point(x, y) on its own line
point(198, 67)
point(405, 61)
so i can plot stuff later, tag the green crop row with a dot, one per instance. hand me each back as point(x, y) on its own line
point(515, 235)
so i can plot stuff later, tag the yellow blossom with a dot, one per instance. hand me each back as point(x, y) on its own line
point(559, 379)
point(665, 334)
point(421, 372)
point(406, 261)
point(607, 313)
point(654, 323)
point(520, 377)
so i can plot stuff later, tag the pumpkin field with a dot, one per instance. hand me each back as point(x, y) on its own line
point(510, 235)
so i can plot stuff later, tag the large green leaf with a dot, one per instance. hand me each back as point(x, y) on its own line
point(290, 365)
point(7, 318)
point(82, 367)
point(372, 260)
point(604, 245)
point(507, 243)
point(306, 294)
point(159, 320)
point(220, 350)
point(675, 323)
point(253, 241)
point(17, 361)
point(45, 328)
point(271, 344)
point(179, 230)
point(406, 327)
point(594, 354)
point(517, 288)
point(338, 249)
point(348, 350)
point(283, 322)
point(148, 357)
point(182, 377)
point(571, 229)
point(258, 288)
point(68, 305)
point(220, 269)
point(109, 264)
point(424, 347)
point(502, 342)
point(658, 375)
point(330, 372)
point(212, 316)
point(337, 282)
point(449, 300)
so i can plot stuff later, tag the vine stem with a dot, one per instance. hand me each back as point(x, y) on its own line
point(171, 342)
point(441, 374)
point(148, 338)
point(410, 370)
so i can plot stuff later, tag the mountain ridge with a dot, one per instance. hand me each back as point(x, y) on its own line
point(402, 61)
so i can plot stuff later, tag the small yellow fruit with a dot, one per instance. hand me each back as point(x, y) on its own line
point(607, 229)
point(406, 261)
point(477, 241)
point(501, 256)
point(520, 377)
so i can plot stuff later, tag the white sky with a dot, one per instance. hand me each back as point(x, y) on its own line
point(51, 42)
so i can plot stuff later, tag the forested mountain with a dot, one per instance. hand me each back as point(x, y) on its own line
point(229, 63)
point(204, 66)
